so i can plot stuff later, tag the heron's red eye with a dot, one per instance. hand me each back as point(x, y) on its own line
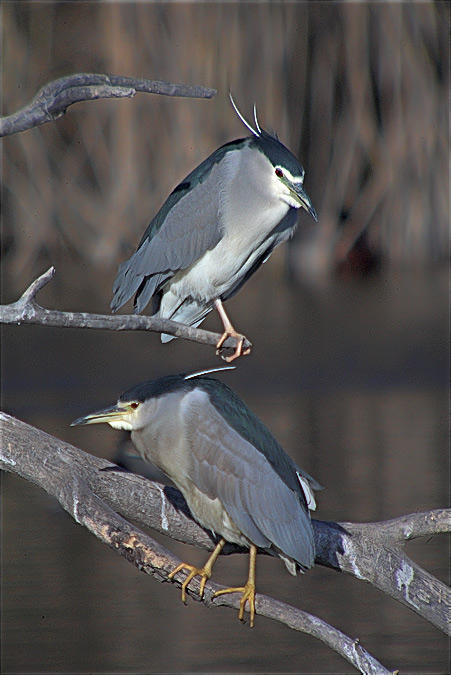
point(279, 173)
point(134, 405)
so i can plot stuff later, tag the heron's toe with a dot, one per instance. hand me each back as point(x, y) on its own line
point(247, 595)
point(201, 572)
point(239, 347)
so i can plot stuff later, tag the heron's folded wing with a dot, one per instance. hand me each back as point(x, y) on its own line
point(186, 226)
point(226, 466)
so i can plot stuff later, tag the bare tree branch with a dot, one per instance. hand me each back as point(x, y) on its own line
point(373, 552)
point(93, 491)
point(26, 310)
point(93, 495)
point(52, 101)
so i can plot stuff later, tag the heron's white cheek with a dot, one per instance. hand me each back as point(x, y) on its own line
point(294, 203)
point(121, 424)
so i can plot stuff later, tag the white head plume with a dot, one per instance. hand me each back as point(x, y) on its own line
point(206, 372)
point(257, 131)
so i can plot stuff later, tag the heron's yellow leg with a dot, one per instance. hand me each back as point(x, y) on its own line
point(247, 591)
point(203, 572)
point(229, 331)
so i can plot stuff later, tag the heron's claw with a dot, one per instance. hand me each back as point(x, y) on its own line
point(194, 572)
point(230, 332)
point(203, 572)
point(247, 595)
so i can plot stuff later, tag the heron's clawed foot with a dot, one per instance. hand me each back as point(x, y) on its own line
point(202, 572)
point(231, 332)
point(247, 591)
point(247, 595)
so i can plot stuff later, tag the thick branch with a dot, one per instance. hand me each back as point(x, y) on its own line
point(369, 551)
point(52, 101)
point(92, 496)
point(26, 310)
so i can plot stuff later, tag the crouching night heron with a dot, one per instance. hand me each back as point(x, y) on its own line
point(214, 231)
point(235, 477)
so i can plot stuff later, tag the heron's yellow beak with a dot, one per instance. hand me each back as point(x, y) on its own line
point(114, 415)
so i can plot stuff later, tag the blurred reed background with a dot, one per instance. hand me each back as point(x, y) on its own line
point(358, 91)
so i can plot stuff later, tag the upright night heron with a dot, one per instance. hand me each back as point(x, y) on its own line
point(235, 477)
point(214, 231)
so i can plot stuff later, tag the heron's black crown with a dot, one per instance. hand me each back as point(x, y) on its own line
point(277, 153)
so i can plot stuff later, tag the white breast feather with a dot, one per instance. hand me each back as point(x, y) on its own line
point(251, 212)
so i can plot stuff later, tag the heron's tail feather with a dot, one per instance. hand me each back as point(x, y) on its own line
point(185, 311)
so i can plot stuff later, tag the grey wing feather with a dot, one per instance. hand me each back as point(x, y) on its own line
point(255, 497)
point(186, 227)
point(252, 429)
point(147, 289)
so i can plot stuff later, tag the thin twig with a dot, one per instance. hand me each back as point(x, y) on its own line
point(26, 310)
point(52, 101)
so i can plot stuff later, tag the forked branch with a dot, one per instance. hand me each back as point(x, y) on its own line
point(27, 310)
point(54, 98)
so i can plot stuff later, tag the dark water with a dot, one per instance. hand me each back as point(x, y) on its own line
point(353, 383)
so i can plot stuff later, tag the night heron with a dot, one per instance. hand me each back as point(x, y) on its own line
point(235, 477)
point(214, 231)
